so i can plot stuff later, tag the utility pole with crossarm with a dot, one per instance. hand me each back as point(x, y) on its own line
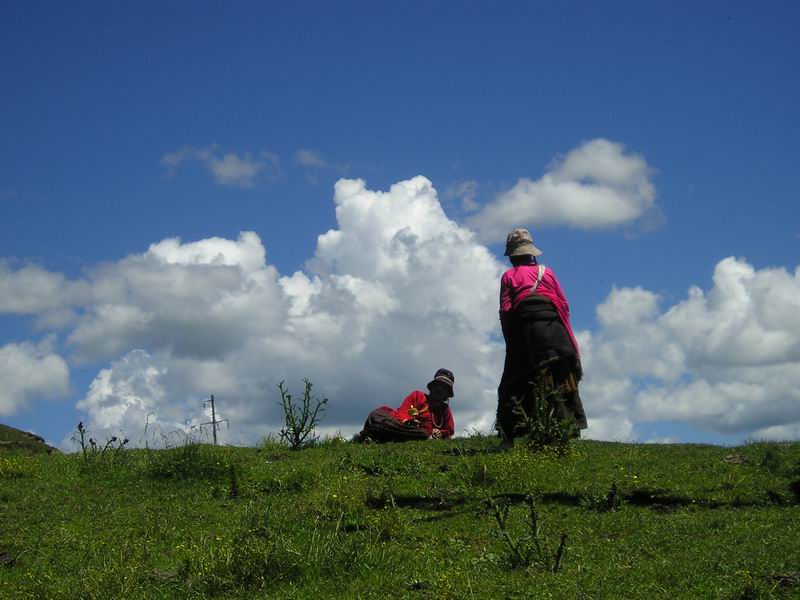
point(213, 422)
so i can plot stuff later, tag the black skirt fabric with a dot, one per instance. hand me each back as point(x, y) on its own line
point(538, 344)
point(381, 426)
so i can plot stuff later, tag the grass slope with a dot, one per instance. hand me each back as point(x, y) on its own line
point(418, 520)
point(11, 438)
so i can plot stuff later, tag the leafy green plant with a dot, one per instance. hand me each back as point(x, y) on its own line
point(301, 419)
point(538, 417)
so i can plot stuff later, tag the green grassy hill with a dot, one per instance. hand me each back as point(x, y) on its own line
point(439, 519)
point(11, 438)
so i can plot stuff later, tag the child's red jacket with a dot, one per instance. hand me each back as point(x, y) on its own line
point(415, 408)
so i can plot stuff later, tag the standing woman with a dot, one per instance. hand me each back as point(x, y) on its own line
point(534, 315)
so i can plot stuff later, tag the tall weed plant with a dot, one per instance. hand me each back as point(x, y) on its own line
point(527, 549)
point(301, 419)
point(95, 455)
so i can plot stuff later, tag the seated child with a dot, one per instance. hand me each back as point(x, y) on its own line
point(421, 416)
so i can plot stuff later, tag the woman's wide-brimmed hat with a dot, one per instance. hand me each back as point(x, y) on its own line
point(520, 243)
point(446, 377)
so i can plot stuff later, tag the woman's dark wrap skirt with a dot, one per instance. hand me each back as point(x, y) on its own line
point(537, 344)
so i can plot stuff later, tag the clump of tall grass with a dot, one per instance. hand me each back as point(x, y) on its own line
point(292, 481)
point(189, 459)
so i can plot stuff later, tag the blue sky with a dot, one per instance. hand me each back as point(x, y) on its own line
point(128, 124)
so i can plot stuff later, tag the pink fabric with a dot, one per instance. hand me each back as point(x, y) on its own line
point(418, 401)
point(516, 284)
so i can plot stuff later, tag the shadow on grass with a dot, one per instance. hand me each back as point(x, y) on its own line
point(656, 499)
point(437, 502)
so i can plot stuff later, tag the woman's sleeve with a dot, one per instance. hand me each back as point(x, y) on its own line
point(411, 400)
point(407, 403)
point(505, 295)
point(558, 290)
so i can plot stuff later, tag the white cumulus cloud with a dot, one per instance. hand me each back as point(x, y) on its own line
point(726, 360)
point(394, 292)
point(199, 299)
point(598, 185)
point(30, 371)
point(32, 290)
